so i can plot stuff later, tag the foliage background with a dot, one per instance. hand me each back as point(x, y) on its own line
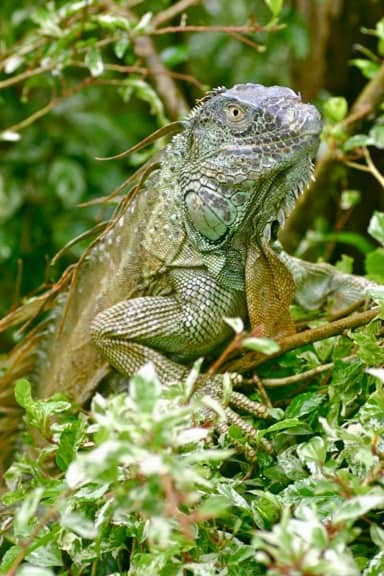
point(86, 79)
point(67, 67)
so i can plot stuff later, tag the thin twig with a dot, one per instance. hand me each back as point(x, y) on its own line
point(247, 41)
point(260, 384)
point(25, 75)
point(172, 11)
point(374, 171)
point(226, 29)
point(48, 107)
point(287, 380)
point(369, 167)
point(144, 72)
point(347, 311)
point(232, 347)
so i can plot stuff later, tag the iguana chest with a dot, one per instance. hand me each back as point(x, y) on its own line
point(167, 245)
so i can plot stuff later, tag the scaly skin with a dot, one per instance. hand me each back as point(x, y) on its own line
point(195, 245)
point(243, 155)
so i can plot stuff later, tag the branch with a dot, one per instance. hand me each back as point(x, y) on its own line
point(48, 107)
point(173, 11)
point(252, 360)
point(226, 29)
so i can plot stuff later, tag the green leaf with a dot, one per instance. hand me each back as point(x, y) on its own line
point(93, 60)
point(345, 264)
point(377, 373)
point(264, 345)
point(38, 411)
point(374, 264)
point(145, 388)
point(266, 508)
point(121, 46)
point(23, 393)
point(380, 29)
point(368, 68)
point(346, 382)
point(375, 566)
point(377, 535)
point(48, 554)
point(313, 453)
point(376, 227)
point(26, 511)
point(377, 135)
point(233, 497)
point(27, 569)
point(12, 63)
point(114, 23)
point(215, 505)
point(286, 424)
point(357, 141)
point(275, 6)
point(304, 404)
point(291, 465)
point(369, 349)
point(357, 240)
point(350, 198)
point(79, 524)
point(175, 55)
point(144, 23)
point(335, 109)
point(9, 558)
point(358, 506)
point(145, 92)
point(69, 441)
point(236, 324)
point(48, 20)
point(10, 136)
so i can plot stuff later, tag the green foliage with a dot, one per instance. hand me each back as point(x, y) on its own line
point(375, 260)
point(335, 109)
point(133, 487)
point(74, 86)
point(133, 483)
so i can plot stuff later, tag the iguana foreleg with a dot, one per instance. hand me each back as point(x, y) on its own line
point(152, 328)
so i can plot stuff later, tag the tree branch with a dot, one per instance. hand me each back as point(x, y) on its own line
point(252, 360)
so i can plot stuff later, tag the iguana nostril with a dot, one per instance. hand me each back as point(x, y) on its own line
point(303, 117)
point(313, 123)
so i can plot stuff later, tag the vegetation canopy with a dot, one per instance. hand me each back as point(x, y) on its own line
point(132, 483)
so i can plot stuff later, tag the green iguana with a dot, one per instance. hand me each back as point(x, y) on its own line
point(196, 244)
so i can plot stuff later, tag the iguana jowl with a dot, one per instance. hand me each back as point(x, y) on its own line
point(195, 245)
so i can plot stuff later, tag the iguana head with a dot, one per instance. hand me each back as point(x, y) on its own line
point(247, 155)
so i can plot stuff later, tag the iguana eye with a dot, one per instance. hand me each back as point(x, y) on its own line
point(234, 113)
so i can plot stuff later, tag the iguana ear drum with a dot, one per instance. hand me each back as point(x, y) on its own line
point(210, 213)
point(275, 226)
